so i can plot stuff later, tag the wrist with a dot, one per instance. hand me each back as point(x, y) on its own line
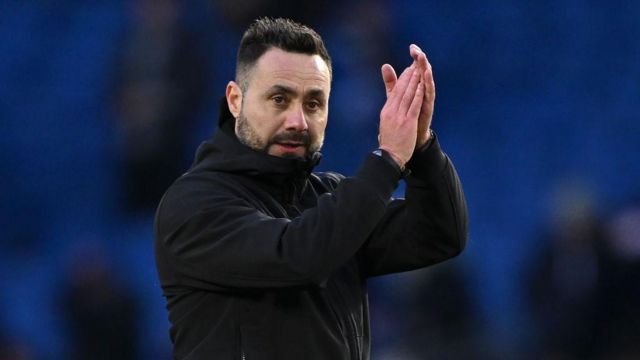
point(424, 140)
point(391, 159)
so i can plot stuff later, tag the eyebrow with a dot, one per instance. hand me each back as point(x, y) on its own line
point(317, 93)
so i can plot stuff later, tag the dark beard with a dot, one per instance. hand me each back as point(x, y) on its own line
point(293, 136)
point(290, 156)
point(248, 136)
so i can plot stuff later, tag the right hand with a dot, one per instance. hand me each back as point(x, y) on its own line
point(399, 115)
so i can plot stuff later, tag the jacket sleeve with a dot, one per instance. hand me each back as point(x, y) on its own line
point(214, 238)
point(425, 228)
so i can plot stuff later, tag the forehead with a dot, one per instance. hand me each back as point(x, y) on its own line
point(277, 65)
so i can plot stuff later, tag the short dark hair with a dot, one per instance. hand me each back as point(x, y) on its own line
point(281, 33)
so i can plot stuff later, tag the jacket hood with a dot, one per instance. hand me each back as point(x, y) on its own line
point(224, 152)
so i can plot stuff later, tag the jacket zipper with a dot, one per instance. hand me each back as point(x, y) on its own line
point(242, 354)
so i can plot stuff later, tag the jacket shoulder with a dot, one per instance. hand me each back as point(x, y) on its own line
point(193, 193)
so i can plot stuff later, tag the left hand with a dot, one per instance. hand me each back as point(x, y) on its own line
point(426, 111)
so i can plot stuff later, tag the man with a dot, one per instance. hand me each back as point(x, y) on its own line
point(261, 259)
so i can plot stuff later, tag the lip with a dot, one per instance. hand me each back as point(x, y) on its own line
point(290, 144)
point(290, 148)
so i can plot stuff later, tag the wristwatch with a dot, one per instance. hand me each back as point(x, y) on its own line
point(432, 135)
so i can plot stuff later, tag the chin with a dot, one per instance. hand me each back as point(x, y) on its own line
point(289, 155)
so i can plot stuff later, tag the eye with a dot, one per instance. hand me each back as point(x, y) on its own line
point(279, 99)
point(313, 105)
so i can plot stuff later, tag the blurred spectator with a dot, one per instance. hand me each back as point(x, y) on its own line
point(12, 350)
point(621, 296)
point(444, 322)
point(101, 315)
point(566, 277)
point(439, 321)
point(367, 43)
point(162, 90)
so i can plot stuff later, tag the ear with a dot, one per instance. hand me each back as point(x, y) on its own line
point(234, 98)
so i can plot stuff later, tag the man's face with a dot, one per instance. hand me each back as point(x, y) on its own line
point(285, 105)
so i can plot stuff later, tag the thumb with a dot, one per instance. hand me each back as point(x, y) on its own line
point(389, 77)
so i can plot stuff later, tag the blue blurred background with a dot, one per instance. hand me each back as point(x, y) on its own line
point(103, 103)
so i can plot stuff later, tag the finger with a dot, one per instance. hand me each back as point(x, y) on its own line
point(409, 93)
point(423, 62)
point(418, 56)
point(416, 103)
point(429, 84)
point(414, 51)
point(389, 77)
point(401, 86)
point(428, 102)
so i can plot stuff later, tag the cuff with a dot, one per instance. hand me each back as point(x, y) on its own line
point(429, 160)
point(388, 158)
point(382, 175)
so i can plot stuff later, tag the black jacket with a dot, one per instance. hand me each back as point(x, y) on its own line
point(259, 258)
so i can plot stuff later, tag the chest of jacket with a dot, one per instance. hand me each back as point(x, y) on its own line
point(338, 309)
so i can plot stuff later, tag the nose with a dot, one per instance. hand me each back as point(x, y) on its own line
point(296, 120)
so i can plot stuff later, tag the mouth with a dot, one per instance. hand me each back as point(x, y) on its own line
point(289, 145)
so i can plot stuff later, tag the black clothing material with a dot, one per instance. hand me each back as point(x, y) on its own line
point(259, 258)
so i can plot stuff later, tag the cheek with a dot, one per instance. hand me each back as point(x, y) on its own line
point(262, 120)
point(319, 126)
